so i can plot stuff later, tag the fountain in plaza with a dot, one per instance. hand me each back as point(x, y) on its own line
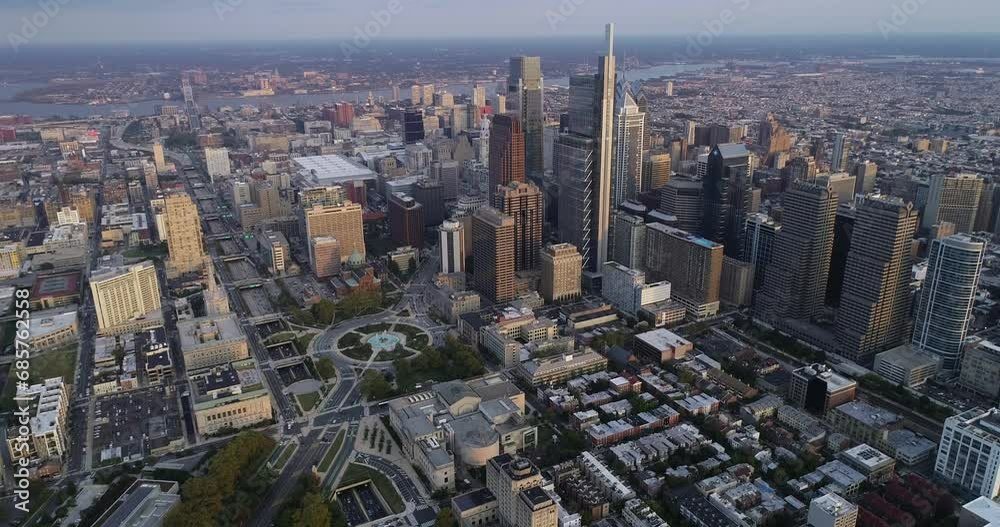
point(384, 341)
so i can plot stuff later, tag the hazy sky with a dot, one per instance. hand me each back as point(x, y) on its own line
point(212, 20)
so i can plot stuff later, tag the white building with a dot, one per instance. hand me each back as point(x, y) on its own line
point(217, 160)
point(627, 290)
point(969, 451)
point(452, 247)
point(831, 510)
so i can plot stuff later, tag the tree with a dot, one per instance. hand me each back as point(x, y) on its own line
point(313, 513)
point(374, 385)
point(326, 368)
point(445, 518)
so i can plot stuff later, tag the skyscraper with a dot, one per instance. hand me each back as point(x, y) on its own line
point(523, 202)
point(324, 256)
point(506, 152)
point(948, 296)
point(875, 300)
point(795, 285)
point(583, 161)
point(493, 254)
point(342, 222)
point(479, 95)
point(217, 161)
point(413, 125)
point(728, 195)
point(953, 198)
point(761, 233)
point(629, 240)
point(525, 89)
point(406, 220)
point(841, 152)
point(184, 243)
point(452, 247)
point(158, 158)
point(657, 170)
point(692, 265)
point(629, 142)
point(969, 452)
point(561, 264)
point(865, 173)
point(682, 197)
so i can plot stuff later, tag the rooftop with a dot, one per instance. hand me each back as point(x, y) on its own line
point(328, 169)
point(870, 415)
point(663, 339)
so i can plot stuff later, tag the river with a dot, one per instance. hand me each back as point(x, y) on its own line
point(44, 110)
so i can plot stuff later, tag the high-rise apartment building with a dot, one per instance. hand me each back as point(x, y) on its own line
point(953, 198)
point(452, 247)
point(523, 202)
point(184, 235)
point(324, 256)
point(795, 285)
point(875, 301)
point(342, 222)
point(514, 482)
point(124, 294)
point(506, 152)
point(969, 452)
point(217, 161)
point(406, 220)
point(948, 296)
point(728, 195)
point(629, 144)
point(692, 265)
point(525, 93)
point(561, 277)
point(493, 254)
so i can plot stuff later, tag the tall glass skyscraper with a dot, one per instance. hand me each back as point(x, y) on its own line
point(525, 89)
point(630, 139)
point(948, 297)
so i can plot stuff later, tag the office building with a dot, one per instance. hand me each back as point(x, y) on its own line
point(728, 195)
point(184, 235)
point(692, 265)
point(342, 222)
point(760, 236)
point(507, 477)
point(843, 230)
point(660, 346)
point(817, 389)
point(843, 184)
point(452, 247)
point(865, 173)
point(864, 423)
point(830, 510)
point(561, 273)
point(506, 152)
point(212, 341)
point(627, 290)
point(413, 126)
point(629, 240)
point(229, 397)
point(736, 288)
point(493, 252)
point(657, 169)
point(948, 297)
point(969, 452)
point(324, 256)
point(629, 145)
point(124, 294)
point(525, 99)
point(159, 160)
point(682, 198)
point(953, 198)
point(875, 302)
point(841, 153)
point(406, 220)
point(272, 246)
point(217, 161)
point(430, 195)
point(574, 157)
point(524, 202)
point(795, 286)
point(343, 114)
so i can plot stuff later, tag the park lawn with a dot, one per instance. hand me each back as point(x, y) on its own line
point(302, 343)
point(154, 251)
point(357, 353)
point(356, 473)
point(331, 453)
point(286, 454)
point(45, 365)
point(308, 401)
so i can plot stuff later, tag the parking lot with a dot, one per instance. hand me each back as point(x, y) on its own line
point(130, 425)
point(257, 301)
